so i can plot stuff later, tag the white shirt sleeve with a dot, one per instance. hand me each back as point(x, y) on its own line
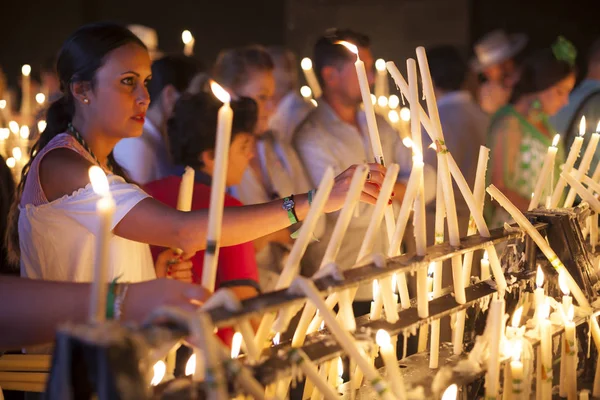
point(311, 145)
point(137, 157)
point(81, 206)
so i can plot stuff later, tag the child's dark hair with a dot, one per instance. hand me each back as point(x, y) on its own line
point(193, 126)
point(233, 65)
point(545, 68)
point(80, 56)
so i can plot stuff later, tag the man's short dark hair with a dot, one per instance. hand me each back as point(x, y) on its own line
point(448, 68)
point(175, 70)
point(328, 53)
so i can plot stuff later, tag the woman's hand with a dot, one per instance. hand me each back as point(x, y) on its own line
point(342, 182)
point(169, 264)
point(144, 297)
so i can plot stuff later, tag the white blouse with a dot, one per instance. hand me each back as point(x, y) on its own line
point(57, 239)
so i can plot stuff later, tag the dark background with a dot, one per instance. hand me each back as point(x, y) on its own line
point(32, 30)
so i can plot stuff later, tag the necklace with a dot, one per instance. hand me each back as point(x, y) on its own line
point(73, 132)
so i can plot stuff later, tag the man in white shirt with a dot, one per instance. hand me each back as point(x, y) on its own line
point(146, 158)
point(335, 134)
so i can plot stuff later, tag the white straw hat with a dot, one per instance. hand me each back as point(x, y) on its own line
point(496, 47)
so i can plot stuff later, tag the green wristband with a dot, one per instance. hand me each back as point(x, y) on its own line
point(110, 299)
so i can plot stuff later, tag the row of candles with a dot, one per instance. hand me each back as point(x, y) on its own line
point(413, 199)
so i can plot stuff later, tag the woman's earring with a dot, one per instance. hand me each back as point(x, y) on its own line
point(86, 100)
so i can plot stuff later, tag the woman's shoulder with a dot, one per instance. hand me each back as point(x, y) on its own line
point(505, 118)
point(63, 171)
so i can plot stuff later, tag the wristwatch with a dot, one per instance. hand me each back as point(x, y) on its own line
point(289, 205)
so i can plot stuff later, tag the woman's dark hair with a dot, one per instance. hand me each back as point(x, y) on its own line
point(193, 125)
point(545, 68)
point(80, 56)
point(233, 66)
point(7, 193)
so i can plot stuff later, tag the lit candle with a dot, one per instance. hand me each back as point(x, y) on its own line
point(236, 344)
point(14, 127)
point(545, 354)
point(40, 98)
point(4, 135)
point(451, 392)
point(570, 345)
point(26, 94)
point(24, 138)
point(311, 78)
point(571, 158)
point(434, 343)
point(159, 370)
point(485, 267)
point(584, 165)
point(105, 208)
point(188, 43)
point(344, 338)
point(306, 93)
point(495, 329)
point(388, 355)
point(299, 358)
point(394, 119)
point(382, 102)
point(375, 311)
point(41, 125)
point(393, 101)
point(545, 174)
point(218, 187)
point(190, 365)
point(11, 162)
point(539, 296)
point(516, 371)
point(333, 247)
point(381, 80)
point(567, 303)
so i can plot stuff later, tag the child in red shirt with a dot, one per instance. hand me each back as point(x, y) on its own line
point(192, 131)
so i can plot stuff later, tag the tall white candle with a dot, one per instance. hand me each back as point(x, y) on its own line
point(539, 296)
point(485, 267)
point(571, 158)
point(381, 80)
point(584, 166)
point(26, 94)
point(570, 344)
point(516, 389)
point(186, 190)
point(495, 329)
point(290, 269)
point(188, 43)
point(299, 358)
point(345, 340)
point(546, 353)
point(545, 174)
point(584, 193)
point(388, 355)
point(311, 78)
point(451, 392)
point(105, 208)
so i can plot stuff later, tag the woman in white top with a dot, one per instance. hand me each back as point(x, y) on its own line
point(104, 70)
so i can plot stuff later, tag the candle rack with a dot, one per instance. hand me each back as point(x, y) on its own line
point(520, 258)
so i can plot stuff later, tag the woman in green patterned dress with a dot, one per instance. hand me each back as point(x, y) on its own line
point(520, 134)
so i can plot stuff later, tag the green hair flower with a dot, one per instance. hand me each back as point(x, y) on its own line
point(564, 50)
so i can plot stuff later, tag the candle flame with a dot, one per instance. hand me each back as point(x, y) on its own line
point(13, 126)
point(380, 65)
point(431, 269)
point(417, 158)
point(407, 142)
point(555, 140)
point(562, 284)
point(236, 345)
point(394, 102)
point(24, 132)
point(219, 92)
point(517, 350)
point(432, 146)
point(190, 366)
point(571, 313)
point(306, 64)
point(340, 367)
point(314, 102)
point(322, 326)
point(485, 256)
point(159, 372)
point(382, 101)
point(186, 37)
point(375, 289)
point(98, 180)
point(539, 277)
point(382, 338)
point(11, 162)
point(394, 283)
point(393, 116)
point(349, 46)
point(405, 114)
point(4, 133)
point(516, 319)
point(40, 98)
point(17, 154)
point(41, 126)
point(2, 104)
point(26, 69)
point(305, 92)
point(450, 393)
point(373, 99)
point(276, 339)
point(582, 126)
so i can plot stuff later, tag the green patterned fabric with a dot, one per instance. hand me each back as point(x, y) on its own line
point(532, 151)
